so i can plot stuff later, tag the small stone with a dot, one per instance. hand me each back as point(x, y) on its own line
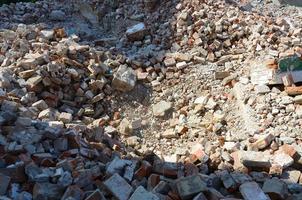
point(140, 193)
point(190, 186)
point(275, 188)
point(252, 191)
point(124, 79)
point(118, 187)
point(160, 109)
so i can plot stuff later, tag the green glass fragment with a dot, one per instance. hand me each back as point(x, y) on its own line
point(292, 63)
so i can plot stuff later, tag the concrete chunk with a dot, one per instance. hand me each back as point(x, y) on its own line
point(251, 191)
point(124, 79)
point(118, 187)
point(141, 193)
point(190, 186)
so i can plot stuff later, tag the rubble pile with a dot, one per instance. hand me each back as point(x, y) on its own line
point(150, 100)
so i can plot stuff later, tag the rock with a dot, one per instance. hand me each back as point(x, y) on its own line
point(251, 191)
point(124, 79)
point(275, 188)
point(137, 32)
point(190, 186)
point(118, 187)
point(57, 15)
point(141, 193)
point(5, 181)
point(160, 109)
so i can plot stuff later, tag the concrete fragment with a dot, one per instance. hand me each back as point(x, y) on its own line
point(5, 181)
point(275, 188)
point(190, 186)
point(255, 159)
point(118, 187)
point(124, 79)
point(141, 193)
point(160, 109)
point(136, 32)
point(252, 191)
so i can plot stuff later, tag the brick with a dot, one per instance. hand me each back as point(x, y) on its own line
point(4, 180)
point(165, 168)
point(73, 192)
point(190, 186)
point(162, 188)
point(200, 196)
point(118, 187)
point(252, 191)
point(275, 188)
point(289, 150)
point(227, 180)
point(153, 180)
point(47, 191)
point(140, 193)
point(144, 170)
point(96, 195)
